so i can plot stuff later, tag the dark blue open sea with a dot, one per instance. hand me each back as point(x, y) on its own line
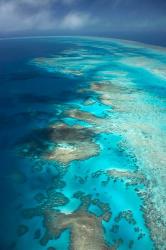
point(82, 144)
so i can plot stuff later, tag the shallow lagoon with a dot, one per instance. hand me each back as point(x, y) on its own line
point(42, 81)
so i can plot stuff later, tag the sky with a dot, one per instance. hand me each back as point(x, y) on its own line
point(82, 17)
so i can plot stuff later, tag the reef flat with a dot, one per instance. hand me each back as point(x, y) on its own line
point(138, 133)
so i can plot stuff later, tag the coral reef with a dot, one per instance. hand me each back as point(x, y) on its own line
point(134, 111)
point(61, 143)
point(139, 122)
point(154, 221)
point(89, 101)
point(130, 177)
point(83, 115)
point(86, 230)
point(127, 215)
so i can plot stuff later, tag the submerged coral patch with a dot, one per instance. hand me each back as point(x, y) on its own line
point(129, 176)
point(61, 143)
point(65, 153)
point(86, 230)
point(83, 115)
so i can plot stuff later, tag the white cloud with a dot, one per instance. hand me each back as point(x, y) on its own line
point(13, 17)
point(75, 20)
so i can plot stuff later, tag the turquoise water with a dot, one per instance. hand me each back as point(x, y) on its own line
point(42, 79)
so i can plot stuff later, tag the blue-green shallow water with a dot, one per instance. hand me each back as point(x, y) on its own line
point(34, 95)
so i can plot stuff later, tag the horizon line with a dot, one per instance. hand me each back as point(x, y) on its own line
point(86, 36)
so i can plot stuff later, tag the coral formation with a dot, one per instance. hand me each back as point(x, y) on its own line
point(83, 115)
point(133, 111)
point(130, 177)
point(127, 215)
point(61, 143)
point(86, 230)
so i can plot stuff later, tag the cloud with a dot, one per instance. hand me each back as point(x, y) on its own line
point(75, 20)
point(79, 15)
point(12, 19)
point(39, 15)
